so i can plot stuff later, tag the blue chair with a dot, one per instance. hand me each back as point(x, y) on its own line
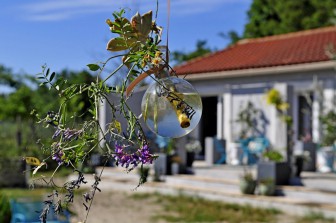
point(253, 148)
point(29, 212)
point(257, 147)
point(244, 145)
point(219, 145)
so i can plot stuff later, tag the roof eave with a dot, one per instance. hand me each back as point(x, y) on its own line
point(263, 71)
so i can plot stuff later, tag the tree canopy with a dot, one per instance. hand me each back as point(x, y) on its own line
point(7, 78)
point(27, 97)
point(272, 17)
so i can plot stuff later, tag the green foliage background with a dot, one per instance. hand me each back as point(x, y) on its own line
point(19, 132)
point(272, 17)
point(5, 210)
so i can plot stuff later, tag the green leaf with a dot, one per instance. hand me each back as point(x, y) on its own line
point(116, 24)
point(52, 76)
point(117, 32)
point(142, 24)
point(117, 44)
point(120, 25)
point(93, 67)
point(115, 15)
point(156, 39)
point(47, 73)
point(146, 20)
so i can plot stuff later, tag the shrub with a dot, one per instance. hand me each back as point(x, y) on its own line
point(273, 155)
point(5, 210)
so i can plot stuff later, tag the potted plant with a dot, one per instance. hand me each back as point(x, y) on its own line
point(272, 166)
point(304, 152)
point(301, 159)
point(326, 153)
point(192, 147)
point(266, 187)
point(247, 183)
point(175, 164)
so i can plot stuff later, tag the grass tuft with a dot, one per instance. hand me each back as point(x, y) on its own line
point(315, 217)
point(184, 208)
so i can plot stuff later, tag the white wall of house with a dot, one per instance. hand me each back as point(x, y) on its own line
point(240, 99)
point(233, 92)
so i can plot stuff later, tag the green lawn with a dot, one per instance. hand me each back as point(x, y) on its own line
point(34, 194)
point(194, 209)
point(186, 209)
point(183, 208)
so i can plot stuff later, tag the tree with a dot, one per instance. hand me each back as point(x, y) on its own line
point(81, 103)
point(7, 78)
point(201, 49)
point(232, 36)
point(17, 105)
point(272, 17)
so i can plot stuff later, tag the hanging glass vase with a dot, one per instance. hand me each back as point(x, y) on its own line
point(171, 107)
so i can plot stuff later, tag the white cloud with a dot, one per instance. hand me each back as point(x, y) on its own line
point(64, 9)
point(59, 15)
point(49, 10)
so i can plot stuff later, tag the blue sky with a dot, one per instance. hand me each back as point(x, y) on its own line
point(72, 33)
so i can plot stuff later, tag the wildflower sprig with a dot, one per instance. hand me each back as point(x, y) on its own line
point(136, 46)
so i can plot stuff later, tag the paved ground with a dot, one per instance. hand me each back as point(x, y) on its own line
point(318, 193)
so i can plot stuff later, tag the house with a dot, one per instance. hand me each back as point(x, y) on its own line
point(297, 64)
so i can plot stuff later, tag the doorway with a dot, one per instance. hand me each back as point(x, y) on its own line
point(304, 115)
point(208, 123)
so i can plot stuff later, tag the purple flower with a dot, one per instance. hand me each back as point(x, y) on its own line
point(70, 134)
point(132, 160)
point(57, 133)
point(57, 156)
point(145, 156)
point(118, 149)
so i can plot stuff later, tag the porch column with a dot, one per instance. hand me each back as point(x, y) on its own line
point(220, 120)
point(317, 107)
point(295, 109)
point(328, 96)
point(227, 117)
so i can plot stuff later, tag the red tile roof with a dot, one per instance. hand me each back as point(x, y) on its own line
point(287, 49)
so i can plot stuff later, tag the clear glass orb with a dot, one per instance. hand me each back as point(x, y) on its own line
point(171, 107)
